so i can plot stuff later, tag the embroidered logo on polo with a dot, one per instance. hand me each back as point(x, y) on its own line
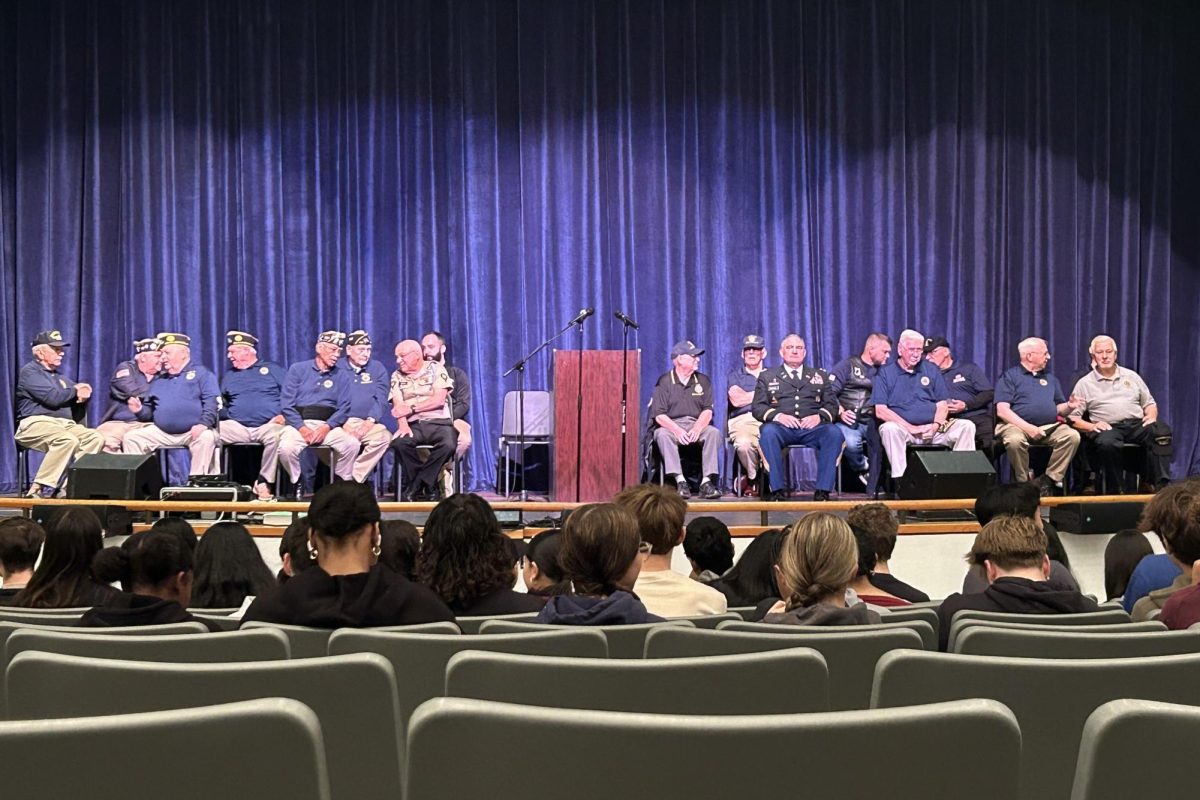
point(327, 383)
point(924, 380)
point(1043, 382)
point(191, 375)
point(263, 371)
point(364, 377)
point(960, 378)
point(697, 389)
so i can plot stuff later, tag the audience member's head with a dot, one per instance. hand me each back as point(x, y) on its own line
point(464, 556)
point(20, 542)
point(63, 579)
point(879, 521)
point(179, 527)
point(343, 527)
point(293, 550)
point(1174, 514)
point(398, 545)
point(659, 513)
point(818, 560)
point(229, 568)
point(865, 541)
point(1020, 500)
point(542, 571)
point(601, 549)
point(1121, 556)
point(752, 579)
point(708, 546)
point(1012, 546)
point(155, 564)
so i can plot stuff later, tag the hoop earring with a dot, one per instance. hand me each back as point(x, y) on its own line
point(312, 551)
point(376, 549)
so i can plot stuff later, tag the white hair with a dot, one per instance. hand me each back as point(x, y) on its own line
point(1026, 345)
point(909, 335)
point(1101, 339)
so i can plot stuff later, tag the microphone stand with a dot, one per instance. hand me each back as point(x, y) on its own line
point(624, 393)
point(519, 368)
point(579, 418)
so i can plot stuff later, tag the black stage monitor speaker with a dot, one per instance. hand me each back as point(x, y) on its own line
point(942, 474)
point(1096, 517)
point(115, 476)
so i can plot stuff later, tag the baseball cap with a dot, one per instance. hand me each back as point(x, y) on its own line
point(686, 347)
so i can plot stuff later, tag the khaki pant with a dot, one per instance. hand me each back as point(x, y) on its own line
point(460, 450)
point(960, 436)
point(292, 444)
point(372, 447)
point(743, 433)
point(151, 437)
point(1062, 439)
point(233, 432)
point(61, 440)
point(114, 432)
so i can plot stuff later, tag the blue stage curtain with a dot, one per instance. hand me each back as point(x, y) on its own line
point(985, 170)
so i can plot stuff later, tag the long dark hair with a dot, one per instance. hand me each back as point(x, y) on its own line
point(752, 579)
point(64, 578)
point(229, 568)
point(543, 550)
point(464, 556)
point(1121, 557)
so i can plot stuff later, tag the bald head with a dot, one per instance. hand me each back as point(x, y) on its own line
point(409, 356)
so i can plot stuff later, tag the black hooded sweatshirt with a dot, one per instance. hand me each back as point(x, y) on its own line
point(127, 609)
point(1013, 596)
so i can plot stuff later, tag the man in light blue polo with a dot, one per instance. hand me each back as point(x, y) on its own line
point(910, 399)
point(1031, 407)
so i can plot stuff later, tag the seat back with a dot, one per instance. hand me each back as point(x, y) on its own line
point(306, 642)
point(257, 645)
point(986, 640)
point(1104, 616)
point(624, 641)
point(419, 659)
point(850, 652)
point(903, 615)
point(958, 625)
point(1050, 697)
point(1129, 746)
point(710, 621)
point(184, 753)
point(220, 622)
point(20, 617)
point(747, 613)
point(470, 625)
point(539, 415)
point(932, 752)
point(354, 697)
point(770, 682)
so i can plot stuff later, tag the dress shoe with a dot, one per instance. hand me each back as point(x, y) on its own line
point(820, 496)
point(684, 490)
point(777, 496)
point(709, 492)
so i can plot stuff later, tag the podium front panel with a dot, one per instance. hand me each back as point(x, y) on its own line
point(587, 424)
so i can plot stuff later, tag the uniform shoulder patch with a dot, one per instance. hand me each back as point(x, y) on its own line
point(122, 373)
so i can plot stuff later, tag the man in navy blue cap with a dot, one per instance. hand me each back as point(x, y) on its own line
point(47, 402)
point(743, 428)
point(251, 409)
point(369, 387)
point(970, 390)
point(182, 404)
point(316, 402)
point(130, 379)
point(681, 409)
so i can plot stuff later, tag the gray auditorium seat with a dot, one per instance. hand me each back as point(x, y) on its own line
point(902, 615)
point(257, 645)
point(931, 752)
point(354, 697)
point(769, 682)
point(1051, 698)
point(987, 640)
point(624, 641)
point(306, 642)
point(470, 625)
point(185, 754)
point(710, 621)
point(1138, 748)
point(959, 625)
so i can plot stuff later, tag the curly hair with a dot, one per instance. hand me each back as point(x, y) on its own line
point(1174, 515)
point(878, 520)
point(464, 556)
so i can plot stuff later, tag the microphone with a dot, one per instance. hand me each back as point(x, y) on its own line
point(583, 314)
point(621, 316)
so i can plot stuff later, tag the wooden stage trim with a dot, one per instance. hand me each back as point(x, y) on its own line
point(540, 509)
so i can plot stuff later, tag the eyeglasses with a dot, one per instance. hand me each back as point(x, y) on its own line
point(644, 549)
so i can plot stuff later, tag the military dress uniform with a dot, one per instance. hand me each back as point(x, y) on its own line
point(174, 404)
point(800, 392)
point(368, 402)
point(434, 428)
point(127, 381)
point(312, 397)
point(251, 399)
point(46, 399)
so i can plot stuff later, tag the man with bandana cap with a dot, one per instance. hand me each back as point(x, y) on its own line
point(316, 403)
point(130, 379)
point(250, 405)
point(369, 385)
point(47, 403)
point(182, 403)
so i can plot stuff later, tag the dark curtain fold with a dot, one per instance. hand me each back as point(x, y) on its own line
point(986, 170)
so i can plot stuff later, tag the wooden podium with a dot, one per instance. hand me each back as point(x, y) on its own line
point(598, 465)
